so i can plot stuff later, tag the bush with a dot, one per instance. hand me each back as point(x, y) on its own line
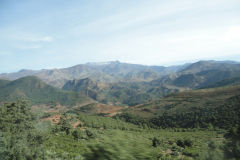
point(232, 146)
point(90, 133)
point(188, 142)
point(156, 142)
point(185, 143)
point(180, 143)
point(212, 145)
point(19, 139)
point(77, 134)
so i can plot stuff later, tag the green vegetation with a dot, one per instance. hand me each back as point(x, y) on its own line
point(37, 92)
point(126, 93)
point(101, 138)
point(193, 109)
point(232, 146)
point(226, 83)
point(19, 138)
point(137, 90)
point(201, 124)
point(105, 138)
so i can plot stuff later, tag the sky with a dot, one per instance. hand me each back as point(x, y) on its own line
point(37, 34)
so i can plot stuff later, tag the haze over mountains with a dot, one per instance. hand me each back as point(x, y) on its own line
point(119, 83)
point(113, 71)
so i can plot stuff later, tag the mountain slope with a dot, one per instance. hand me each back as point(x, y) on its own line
point(211, 65)
point(195, 75)
point(126, 93)
point(196, 108)
point(38, 92)
point(3, 82)
point(225, 83)
point(201, 74)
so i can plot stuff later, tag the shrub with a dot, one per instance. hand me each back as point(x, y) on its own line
point(77, 134)
point(188, 142)
point(156, 142)
point(185, 143)
point(90, 133)
point(180, 143)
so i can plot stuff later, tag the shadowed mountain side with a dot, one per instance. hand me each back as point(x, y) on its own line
point(225, 83)
point(126, 93)
point(38, 92)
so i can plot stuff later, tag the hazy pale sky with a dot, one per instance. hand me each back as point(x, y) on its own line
point(37, 34)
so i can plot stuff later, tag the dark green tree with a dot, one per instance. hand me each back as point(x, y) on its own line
point(156, 142)
point(18, 137)
point(77, 134)
point(232, 146)
point(65, 125)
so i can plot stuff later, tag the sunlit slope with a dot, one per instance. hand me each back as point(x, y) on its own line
point(197, 108)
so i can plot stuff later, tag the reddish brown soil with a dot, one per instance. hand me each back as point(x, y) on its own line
point(47, 109)
point(75, 125)
point(55, 119)
point(108, 109)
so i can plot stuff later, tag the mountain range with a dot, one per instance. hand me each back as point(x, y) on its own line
point(113, 71)
point(116, 83)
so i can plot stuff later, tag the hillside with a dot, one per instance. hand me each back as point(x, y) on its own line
point(122, 93)
point(3, 82)
point(226, 82)
point(202, 98)
point(38, 92)
point(201, 74)
point(218, 106)
point(160, 117)
point(211, 65)
point(129, 92)
point(117, 83)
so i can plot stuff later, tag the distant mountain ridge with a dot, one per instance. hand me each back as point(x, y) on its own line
point(113, 71)
point(116, 83)
point(193, 75)
point(200, 74)
point(211, 65)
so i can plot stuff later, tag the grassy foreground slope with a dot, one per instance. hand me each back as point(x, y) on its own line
point(38, 92)
point(104, 138)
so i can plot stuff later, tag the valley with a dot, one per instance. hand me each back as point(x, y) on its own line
point(139, 112)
